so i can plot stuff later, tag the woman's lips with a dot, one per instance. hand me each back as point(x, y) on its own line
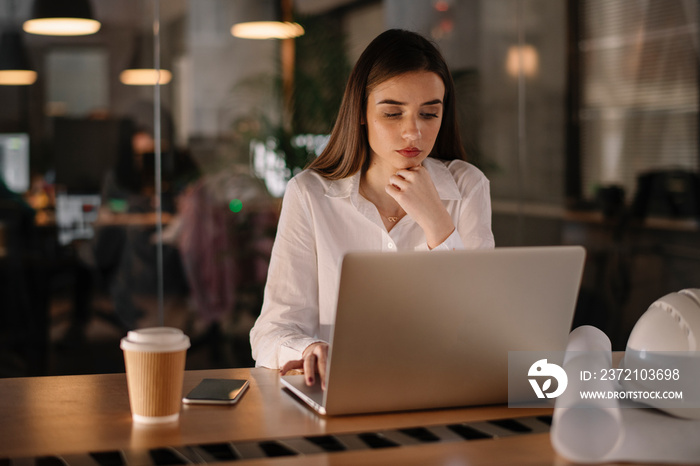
point(410, 152)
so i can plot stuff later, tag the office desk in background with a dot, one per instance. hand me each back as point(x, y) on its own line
point(108, 218)
point(69, 417)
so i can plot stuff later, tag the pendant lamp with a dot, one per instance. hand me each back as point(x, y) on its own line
point(61, 18)
point(277, 27)
point(141, 71)
point(14, 65)
point(522, 59)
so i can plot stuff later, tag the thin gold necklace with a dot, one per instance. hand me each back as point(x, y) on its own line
point(390, 218)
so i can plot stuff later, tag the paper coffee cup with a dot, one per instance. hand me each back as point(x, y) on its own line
point(155, 367)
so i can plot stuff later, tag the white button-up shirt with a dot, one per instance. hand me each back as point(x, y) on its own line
point(321, 221)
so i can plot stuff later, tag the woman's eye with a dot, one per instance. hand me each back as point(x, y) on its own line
point(392, 115)
point(430, 115)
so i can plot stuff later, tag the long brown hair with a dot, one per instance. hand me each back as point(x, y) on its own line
point(392, 53)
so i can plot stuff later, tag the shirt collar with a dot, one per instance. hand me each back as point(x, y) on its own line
point(442, 177)
point(344, 187)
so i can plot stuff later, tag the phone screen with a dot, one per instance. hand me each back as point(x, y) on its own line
point(217, 391)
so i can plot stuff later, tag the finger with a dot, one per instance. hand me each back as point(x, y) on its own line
point(409, 172)
point(289, 365)
point(392, 191)
point(410, 175)
point(398, 182)
point(310, 369)
point(405, 175)
point(322, 357)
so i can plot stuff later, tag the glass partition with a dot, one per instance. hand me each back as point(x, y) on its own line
point(148, 204)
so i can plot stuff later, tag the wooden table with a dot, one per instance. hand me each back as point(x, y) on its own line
point(71, 416)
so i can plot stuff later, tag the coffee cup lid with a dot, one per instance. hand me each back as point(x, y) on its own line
point(155, 339)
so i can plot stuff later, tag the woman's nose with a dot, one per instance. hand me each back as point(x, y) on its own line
point(411, 129)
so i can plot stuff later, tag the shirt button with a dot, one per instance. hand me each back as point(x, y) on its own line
point(390, 245)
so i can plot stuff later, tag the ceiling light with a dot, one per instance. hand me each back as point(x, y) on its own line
point(267, 30)
point(522, 59)
point(61, 18)
point(14, 66)
point(276, 26)
point(141, 71)
point(145, 77)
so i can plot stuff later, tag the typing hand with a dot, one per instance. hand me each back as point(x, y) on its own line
point(414, 190)
point(313, 361)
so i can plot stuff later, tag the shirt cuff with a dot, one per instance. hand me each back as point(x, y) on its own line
point(292, 350)
point(452, 243)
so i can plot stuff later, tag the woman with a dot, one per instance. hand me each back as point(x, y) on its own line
point(378, 185)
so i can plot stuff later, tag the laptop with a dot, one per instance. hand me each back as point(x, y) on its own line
point(423, 330)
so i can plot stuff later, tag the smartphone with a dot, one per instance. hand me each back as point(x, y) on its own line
point(217, 392)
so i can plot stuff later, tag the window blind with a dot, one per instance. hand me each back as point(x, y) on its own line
point(639, 90)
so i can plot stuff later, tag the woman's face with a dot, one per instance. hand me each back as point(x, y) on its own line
point(403, 119)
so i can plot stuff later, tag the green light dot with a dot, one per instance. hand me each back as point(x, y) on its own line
point(235, 205)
